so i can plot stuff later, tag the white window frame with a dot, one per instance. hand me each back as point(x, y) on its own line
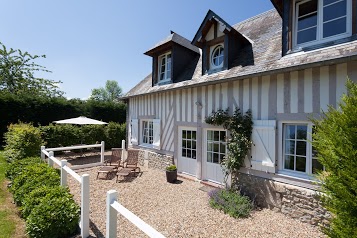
point(167, 72)
point(206, 144)
point(304, 175)
point(319, 36)
point(212, 50)
point(142, 132)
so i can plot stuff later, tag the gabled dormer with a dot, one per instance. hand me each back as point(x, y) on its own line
point(170, 58)
point(313, 24)
point(221, 44)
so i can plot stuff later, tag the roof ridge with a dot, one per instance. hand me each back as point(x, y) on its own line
point(255, 17)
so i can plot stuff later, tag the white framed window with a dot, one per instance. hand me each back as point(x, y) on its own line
point(216, 146)
point(164, 67)
point(216, 56)
point(188, 144)
point(318, 21)
point(147, 128)
point(298, 158)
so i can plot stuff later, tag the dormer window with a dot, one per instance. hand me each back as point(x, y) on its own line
point(164, 67)
point(217, 56)
point(319, 21)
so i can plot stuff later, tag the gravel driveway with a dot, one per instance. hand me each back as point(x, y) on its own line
point(179, 210)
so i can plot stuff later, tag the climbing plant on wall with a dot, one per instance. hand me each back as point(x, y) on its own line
point(240, 127)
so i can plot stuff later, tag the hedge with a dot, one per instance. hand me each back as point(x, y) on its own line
point(43, 111)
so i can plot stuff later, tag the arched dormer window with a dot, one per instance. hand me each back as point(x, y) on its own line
point(217, 56)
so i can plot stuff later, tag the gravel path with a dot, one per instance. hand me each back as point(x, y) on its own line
point(180, 210)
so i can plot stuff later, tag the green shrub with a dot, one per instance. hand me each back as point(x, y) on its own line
point(92, 134)
point(32, 177)
point(61, 135)
point(36, 196)
point(171, 168)
point(55, 216)
point(230, 203)
point(335, 139)
point(16, 167)
point(22, 140)
point(115, 133)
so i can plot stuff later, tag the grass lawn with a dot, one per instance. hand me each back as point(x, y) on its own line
point(11, 225)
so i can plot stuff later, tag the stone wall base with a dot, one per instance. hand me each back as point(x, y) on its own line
point(296, 202)
point(155, 160)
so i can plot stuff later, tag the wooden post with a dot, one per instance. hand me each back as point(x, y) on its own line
point(43, 156)
point(63, 173)
point(84, 223)
point(111, 223)
point(102, 148)
point(50, 161)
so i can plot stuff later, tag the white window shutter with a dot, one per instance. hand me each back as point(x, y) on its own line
point(156, 134)
point(263, 147)
point(134, 131)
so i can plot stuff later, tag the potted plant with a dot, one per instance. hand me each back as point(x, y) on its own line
point(171, 173)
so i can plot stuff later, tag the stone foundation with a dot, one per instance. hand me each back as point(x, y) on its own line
point(296, 202)
point(155, 160)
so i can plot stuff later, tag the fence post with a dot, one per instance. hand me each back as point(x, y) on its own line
point(63, 173)
point(111, 222)
point(43, 156)
point(84, 223)
point(102, 148)
point(50, 161)
point(123, 152)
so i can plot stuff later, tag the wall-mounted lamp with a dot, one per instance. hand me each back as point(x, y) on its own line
point(199, 104)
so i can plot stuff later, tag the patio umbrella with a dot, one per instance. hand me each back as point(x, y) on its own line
point(81, 121)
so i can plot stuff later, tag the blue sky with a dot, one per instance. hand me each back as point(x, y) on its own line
point(88, 42)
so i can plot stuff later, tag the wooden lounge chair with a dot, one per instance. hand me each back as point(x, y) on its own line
point(112, 165)
point(130, 165)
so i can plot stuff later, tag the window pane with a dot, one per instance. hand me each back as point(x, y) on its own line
point(210, 135)
point(188, 154)
point(316, 166)
point(216, 147)
point(327, 2)
point(209, 157)
point(289, 132)
point(308, 7)
point(215, 158)
point(307, 21)
point(209, 147)
point(188, 144)
point(290, 147)
point(301, 148)
point(221, 158)
point(223, 148)
point(334, 27)
point(193, 135)
point(183, 143)
point(193, 144)
point(289, 162)
point(335, 10)
point(184, 153)
point(306, 35)
point(216, 136)
point(222, 136)
point(184, 134)
point(193, 154)
point(301, 132)
point(300, 164)
point(188, 134)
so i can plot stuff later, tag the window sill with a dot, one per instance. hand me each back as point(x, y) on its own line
point(149, 146)
point(296, 175)
point(164, 82)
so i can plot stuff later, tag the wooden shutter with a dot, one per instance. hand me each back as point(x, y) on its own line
point(134, 135)
point(263, 147)
point(156, 134)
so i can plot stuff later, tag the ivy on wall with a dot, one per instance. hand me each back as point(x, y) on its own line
point(240, 127)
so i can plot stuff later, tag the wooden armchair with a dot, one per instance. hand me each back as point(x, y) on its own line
point(112, 165)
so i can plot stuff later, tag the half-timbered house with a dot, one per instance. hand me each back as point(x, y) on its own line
point(285, 65)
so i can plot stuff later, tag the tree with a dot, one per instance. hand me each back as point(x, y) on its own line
point(17, 74)
point(111, 92)
point(335, 139)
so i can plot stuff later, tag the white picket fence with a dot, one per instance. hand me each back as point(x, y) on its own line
point(83, 180)
point(113, 208)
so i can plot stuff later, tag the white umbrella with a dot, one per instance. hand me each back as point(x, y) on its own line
point(81, 121)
